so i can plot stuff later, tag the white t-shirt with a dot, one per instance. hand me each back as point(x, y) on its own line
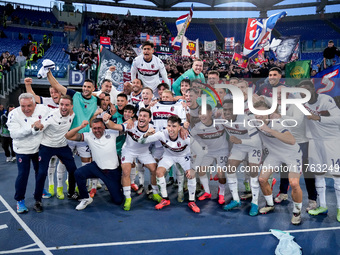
point(132, 136)
point(103, 150)
point(55, 128)
point(48, 101)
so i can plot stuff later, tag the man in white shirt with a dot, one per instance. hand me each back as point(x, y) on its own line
point(107, 86)
point(148, 68)
point(105, 165)
point(21, 124)
point(54, 127)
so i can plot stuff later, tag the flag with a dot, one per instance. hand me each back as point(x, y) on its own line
point(106, 59)
point(229, 43)
point(259, 57)
point(210, 45)
point(296, 71)
point(156, 40)
point(328, 81)
point(286, 48)
point(105, 41)
point(142, 36)
point(258, 32)
point(128, 14)
point(138, 51)
point(190, 48)
point(182, 24)
point(239, 60)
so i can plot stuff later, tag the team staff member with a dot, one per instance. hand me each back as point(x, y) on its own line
point(54, 128)
point(26, 140)
point(105, 165)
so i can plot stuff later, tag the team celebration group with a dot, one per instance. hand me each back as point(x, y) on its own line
point(169, 131)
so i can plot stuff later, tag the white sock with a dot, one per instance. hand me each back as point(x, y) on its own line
point(269, 200)
point(133, 175)
point(162, 185)
point(192, 189)
point(221, 188)
point(255, 189)
point(85, 163)
point(61, 168)
point(127, 191)
point(141, 174)
point(297, 207)
point(337, 190)
point(205, 182)
point(155, 189)
point(320, 185)
point(232, 183)
point(51, 170)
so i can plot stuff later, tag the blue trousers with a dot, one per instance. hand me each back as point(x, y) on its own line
point(45, 154)
point(24, 165)
point(111, 178)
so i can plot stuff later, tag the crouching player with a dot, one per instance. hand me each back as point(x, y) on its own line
point(176, 151)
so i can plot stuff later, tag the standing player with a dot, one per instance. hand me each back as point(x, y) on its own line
point(54, 128)
point(26, 140)
point(324, 145)
point(282, 148)
point(246, 146)
point(132, 151)
point(214, 140)
point(176, 151)
point(148, 67)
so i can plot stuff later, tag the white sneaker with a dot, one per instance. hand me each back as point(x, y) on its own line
point(280, 198)
point(8, 159)
point(83, 203)
point(13, 159)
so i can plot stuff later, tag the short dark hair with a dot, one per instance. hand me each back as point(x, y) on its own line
point(106, 94)
point(67, 97)
point(163, 84)
point(145, 110)
point(185, 80)
point(306, 83)
point(330, 41)
point(106, 80)
point(141, 82)
point(227, 101)
point(89, 80)
point(97, 120)
point(277, 69)
point(214, 72)
point(129, 107)
point(148, 43)
point(122, 95)
point(175, 119)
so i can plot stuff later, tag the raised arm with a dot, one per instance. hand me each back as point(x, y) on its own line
point(110, 124)
point(55, 84)
point(73, 133)
point(28, 85)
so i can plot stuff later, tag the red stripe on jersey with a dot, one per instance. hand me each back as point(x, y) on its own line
point(174, 149)
point(162, 115)
point(147, 72)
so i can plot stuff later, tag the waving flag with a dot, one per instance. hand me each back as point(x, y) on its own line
point(190, 48)
point(328, 81)
point(239, 60)
point(258, 33)
point(259, 58)
point(156, 40)
point(182, 24)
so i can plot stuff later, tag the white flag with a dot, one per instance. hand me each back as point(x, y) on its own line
point(190, 48)
point(210, 45)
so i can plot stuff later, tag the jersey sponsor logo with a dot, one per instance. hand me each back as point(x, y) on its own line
point(317, 112)
point(162, 115)
point(147, 72)
point(236, 131)
point(173, 149)
point(213, 135)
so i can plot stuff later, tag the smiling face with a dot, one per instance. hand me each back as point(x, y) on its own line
point(27, 106)
point(167, 96)
point(285, 49)
point(143, 119)
point(98, 129)
point(274, 77)
point(213, 79)
point(55, 95)
point(173, 129)
point(147, 96)
point(88, 88)
point(104, 103)
point(137, 86)
point(184, 87)
point(65, 107)
point(106, 87)
point(197, 66)
point(121, 102)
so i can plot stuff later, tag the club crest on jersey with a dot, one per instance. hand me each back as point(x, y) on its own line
point(39, 117)
point(217, 127)
point(152, 66)
point(39, 159)
point(123, 158)
point(178, 144)
point(85, 106)
point(237, 126)
point(172, 108)
point(70, 120)
point(108, 136)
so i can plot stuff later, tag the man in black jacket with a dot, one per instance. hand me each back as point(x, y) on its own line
point(329, 54)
